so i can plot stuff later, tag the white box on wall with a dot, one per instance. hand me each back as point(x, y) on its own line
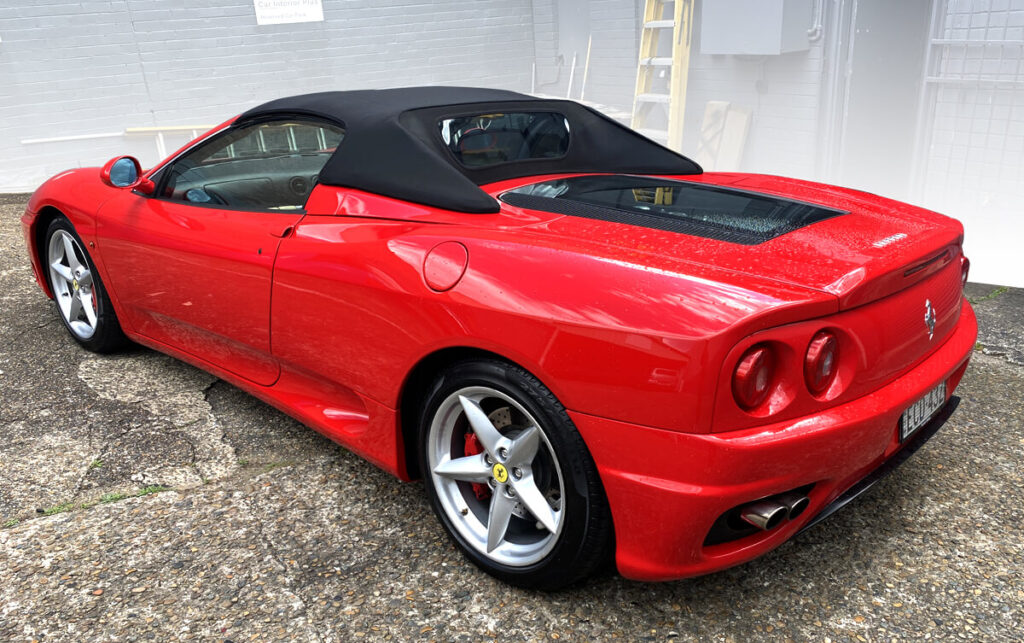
point(755, 27)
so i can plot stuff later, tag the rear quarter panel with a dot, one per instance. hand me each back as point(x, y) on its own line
point(610, 332)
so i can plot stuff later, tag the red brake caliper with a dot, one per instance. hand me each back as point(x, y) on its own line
point(482, 491)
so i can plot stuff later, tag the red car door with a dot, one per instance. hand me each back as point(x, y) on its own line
point(191, 266)
point(197, 279)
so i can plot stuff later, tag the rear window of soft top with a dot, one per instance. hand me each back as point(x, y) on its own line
point(484, 140)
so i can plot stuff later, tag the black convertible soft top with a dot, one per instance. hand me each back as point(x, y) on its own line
point(393, 144)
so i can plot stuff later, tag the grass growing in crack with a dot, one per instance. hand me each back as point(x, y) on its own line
point(276, 465)
point(58, 509)
point(96, 464)
point(10, 523)
point(992, 295)
point(106, 498)
point(151, 489)
point(243, 463)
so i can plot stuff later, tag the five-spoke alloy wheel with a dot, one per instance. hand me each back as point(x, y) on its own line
point(82, 303)
point(72, 284)
point(497, 452)
point(505, 499)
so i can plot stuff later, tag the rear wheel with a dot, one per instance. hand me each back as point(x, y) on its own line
point(78, 292)
point(510, 478)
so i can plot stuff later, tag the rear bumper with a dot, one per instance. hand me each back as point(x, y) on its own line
point(863, 485)
point(666, 489)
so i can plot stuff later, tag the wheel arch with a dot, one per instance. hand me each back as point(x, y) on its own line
point(414, 389)
point(46, 215)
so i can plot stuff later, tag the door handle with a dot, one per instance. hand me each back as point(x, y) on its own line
point(284, 233)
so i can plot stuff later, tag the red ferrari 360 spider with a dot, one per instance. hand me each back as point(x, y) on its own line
point(582, 343)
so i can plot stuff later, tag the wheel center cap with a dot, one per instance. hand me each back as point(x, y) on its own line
point(500, 473)
point(74, 284)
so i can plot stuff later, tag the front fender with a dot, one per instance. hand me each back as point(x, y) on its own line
point(78, 195)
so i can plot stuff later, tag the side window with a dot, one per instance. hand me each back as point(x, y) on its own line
point(263, 166)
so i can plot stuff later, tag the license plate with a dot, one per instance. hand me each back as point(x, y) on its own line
point(921, 411)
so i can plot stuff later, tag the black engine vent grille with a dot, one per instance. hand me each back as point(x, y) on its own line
point(712, 212)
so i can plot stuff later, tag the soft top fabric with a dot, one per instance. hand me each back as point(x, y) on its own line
point(393, 146)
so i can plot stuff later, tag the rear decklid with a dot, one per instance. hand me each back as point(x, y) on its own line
point(856, 246)
point(879, 247)
point(883, 277)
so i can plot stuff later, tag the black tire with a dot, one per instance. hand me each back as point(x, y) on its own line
point(585, 542)
point(107, 337)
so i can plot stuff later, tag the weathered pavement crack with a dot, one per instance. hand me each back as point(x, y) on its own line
point(289, 582)
point(216, 420)
point(104, 449)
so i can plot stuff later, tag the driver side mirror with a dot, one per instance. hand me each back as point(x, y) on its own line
point(126, 173)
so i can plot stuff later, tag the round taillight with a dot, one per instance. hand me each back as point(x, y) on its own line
point(821, 362)
point(752, 380)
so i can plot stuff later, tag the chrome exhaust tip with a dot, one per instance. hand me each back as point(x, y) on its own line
point(764, 514)
point(794, 502)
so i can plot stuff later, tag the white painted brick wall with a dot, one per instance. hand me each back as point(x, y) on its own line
point(615, 28)
point(72, 68)
point(545, 34)
point(783, 92)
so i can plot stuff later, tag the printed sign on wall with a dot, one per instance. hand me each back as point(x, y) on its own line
point(282, 12)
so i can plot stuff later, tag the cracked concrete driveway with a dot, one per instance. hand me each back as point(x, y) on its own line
point(141, 499)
